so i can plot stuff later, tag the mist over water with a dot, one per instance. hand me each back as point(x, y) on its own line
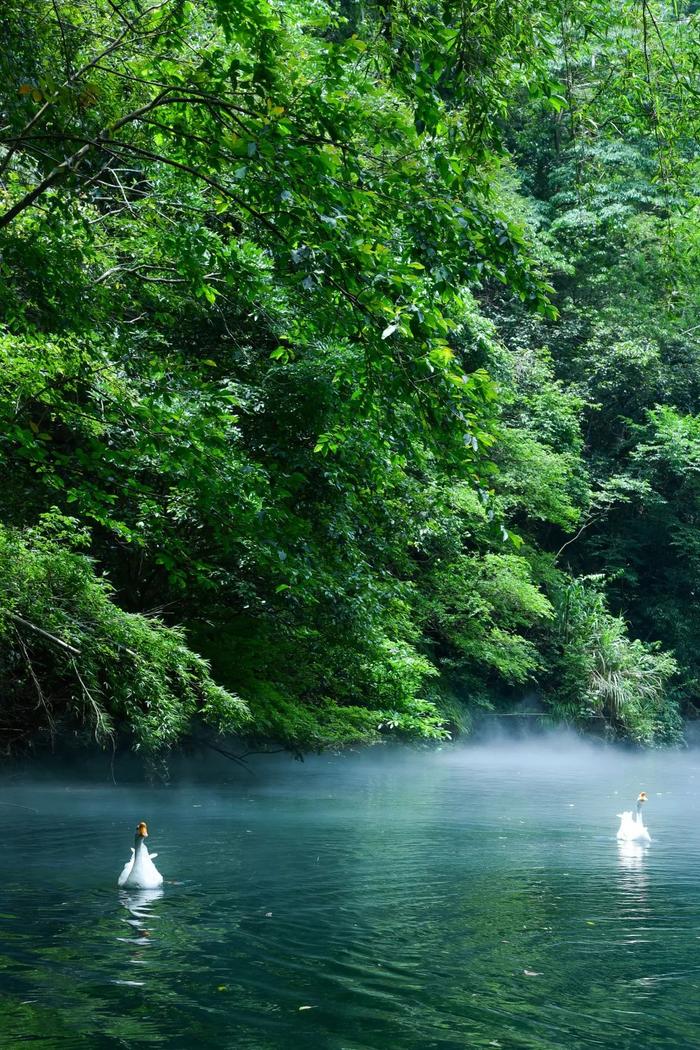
point(392, 899)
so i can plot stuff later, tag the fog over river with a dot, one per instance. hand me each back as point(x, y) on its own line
point(474, 896)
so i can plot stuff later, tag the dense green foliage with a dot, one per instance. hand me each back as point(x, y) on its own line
point(348, 360)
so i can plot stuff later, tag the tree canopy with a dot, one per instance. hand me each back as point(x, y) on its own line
point(349, 367)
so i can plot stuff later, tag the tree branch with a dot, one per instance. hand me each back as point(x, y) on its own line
point(40, 630)
point(75, 160)
point(112, 46)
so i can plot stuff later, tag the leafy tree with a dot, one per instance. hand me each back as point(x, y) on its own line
point(74, 662)
point(347, 338)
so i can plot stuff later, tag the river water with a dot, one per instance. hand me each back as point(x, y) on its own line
point(471, 897)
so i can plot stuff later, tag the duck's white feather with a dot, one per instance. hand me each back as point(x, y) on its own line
point(140, 873)
point(632, 828)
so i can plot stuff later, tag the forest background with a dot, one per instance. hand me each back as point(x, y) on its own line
point(349, 368)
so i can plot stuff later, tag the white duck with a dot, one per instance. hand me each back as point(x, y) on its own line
point(140, 873)
point(632, 827)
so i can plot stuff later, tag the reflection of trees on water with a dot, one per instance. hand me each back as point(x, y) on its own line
point(486, 923)
point(79, 984)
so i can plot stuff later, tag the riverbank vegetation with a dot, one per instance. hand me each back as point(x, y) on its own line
point(349, 368)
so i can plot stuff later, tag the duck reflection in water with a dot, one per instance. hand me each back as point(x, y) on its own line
point(631, 855)
point(633, 885)
point(139, 904)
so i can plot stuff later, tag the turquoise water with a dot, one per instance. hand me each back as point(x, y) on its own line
point(466, 898)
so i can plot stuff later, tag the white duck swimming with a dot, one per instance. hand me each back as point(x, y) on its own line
point(632, 827)
point(140, 873)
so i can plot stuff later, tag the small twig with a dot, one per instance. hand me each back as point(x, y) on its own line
point(227, 754)
point(277, 751)
point(101, 725)
point(39, 691)
point(111, 763)
point(573, 539)
point(119, 14)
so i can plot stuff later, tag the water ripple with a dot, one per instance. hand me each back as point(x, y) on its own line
point(440, 902)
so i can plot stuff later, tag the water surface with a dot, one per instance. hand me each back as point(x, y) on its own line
point(474, 897)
